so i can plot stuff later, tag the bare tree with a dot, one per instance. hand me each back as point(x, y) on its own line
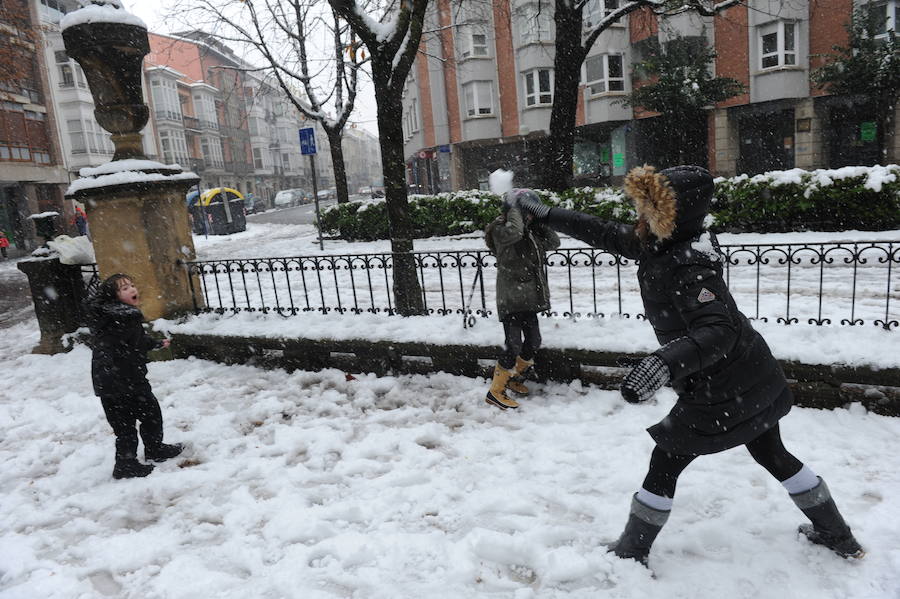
point(392, 41)
point(572, 47)
point(282, 31)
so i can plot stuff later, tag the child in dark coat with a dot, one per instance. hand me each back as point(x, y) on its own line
point(731, 390)
point(522, 292)
point(119, 375)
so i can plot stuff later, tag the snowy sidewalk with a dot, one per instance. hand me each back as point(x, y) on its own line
point(305, 485)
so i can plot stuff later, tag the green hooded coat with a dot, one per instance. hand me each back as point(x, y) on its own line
point(521, 254)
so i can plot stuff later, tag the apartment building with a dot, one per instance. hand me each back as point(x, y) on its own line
point(32, 173)
point(362, 159)
point(480, 93)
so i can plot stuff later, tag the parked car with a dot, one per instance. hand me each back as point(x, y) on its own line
point(327, 194)
point(291, 197)
point(254, 205)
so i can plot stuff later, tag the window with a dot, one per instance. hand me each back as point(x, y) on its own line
point(212, 151)
point(479, 98)
point(174, 146)
point(76, 136)
point(535, 24)
point(884, 15)
point(205, 109)
point(477, 46)
point(165, 99)
point(538, 87)
point(412, 118)
point(35, 116)
point(604, 73)
point(777, 45)
point(257, 158)
point(596, 10)
point(52, 11)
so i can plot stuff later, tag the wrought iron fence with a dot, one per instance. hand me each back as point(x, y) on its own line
point(818, 283)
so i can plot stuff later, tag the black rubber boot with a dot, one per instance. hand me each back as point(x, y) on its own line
point(129, 467)
point(644, 523)
point(163, 452)
point(828, 527)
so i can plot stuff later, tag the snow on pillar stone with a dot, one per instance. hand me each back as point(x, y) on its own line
point(142, 229)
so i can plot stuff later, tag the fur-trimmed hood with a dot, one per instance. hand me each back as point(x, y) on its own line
point(673, 202)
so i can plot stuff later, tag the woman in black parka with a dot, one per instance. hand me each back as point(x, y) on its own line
point(731, 391)
point(119, 375)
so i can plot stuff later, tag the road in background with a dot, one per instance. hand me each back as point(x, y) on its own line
point(304, 214)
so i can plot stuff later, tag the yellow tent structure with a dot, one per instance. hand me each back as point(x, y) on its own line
point(213, 195)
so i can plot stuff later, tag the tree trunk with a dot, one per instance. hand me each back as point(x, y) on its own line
point(337, 163)
point(557, 174)
point(407, 290)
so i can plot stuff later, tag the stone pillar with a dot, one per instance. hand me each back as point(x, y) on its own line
point(142, 229)
point(809, 140)
point(726, 143)
point(57, 291)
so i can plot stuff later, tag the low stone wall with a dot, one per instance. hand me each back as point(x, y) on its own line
point(814, 386)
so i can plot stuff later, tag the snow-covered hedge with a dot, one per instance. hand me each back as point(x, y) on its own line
point(458, 212)
point(865, 198)
point(857, 197)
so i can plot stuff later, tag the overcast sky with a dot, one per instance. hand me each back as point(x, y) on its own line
point(157, 15)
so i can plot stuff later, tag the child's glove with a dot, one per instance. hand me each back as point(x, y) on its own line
point(641, 383)
point(530, 203)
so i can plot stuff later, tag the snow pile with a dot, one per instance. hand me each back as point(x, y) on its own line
point(124, 178)
point(501, 181)
point(305, 484)
point(73, 250)
point(130, 164)
point(875, 177)
point(100, 11)
point(43, 214)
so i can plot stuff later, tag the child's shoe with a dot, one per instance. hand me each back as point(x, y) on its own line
point(496, 395)
point(164, 452)
point(130, 468)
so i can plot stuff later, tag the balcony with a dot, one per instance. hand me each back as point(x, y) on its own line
point(191, 123)
point(238, 168)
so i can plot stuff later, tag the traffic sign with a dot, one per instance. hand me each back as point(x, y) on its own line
point(308, 141)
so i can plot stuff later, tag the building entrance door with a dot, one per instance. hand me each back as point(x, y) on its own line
point(766, 141)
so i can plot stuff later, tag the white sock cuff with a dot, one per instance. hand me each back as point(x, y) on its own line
point(657, 502)
point(803, 481)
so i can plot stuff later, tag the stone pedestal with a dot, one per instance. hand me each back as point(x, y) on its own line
point(57, 291)
point(142, 229)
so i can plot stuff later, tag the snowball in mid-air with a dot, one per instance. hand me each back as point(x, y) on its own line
point(501, 181)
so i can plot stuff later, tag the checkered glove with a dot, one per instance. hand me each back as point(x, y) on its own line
point(530, 203)
point(645, 378)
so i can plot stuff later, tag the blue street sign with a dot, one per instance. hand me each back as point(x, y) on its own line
point(307, 141)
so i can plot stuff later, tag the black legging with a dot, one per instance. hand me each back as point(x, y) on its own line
point(767, 449)
point(122, 413)
point(516, 326)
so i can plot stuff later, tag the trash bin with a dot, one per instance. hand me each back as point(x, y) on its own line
point(219, 211)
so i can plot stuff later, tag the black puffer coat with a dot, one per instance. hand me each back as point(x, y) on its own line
point(120, 346)
point(730, 388)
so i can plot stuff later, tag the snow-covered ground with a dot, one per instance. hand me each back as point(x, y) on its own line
point(306, 485)
point(309, 485)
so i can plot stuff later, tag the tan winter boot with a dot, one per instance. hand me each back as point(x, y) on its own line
point(518, 370)
point(496, 395)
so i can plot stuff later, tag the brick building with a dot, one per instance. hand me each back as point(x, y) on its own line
point(480, 94)
point(32, 175)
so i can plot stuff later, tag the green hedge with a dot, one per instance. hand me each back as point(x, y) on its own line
point(866, 198)
point(825, 200)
